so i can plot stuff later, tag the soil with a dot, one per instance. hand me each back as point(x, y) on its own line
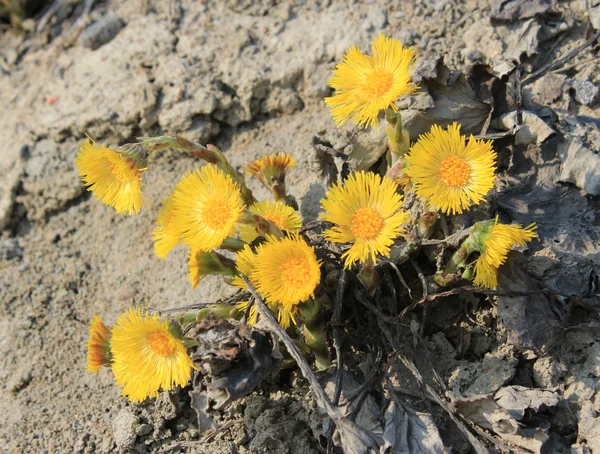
point(250, 77)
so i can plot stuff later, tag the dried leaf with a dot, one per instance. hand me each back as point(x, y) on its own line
point(232, 359)
point(511, 10)
point(532, 320)
point(580, 166)
point(409, 432)
point(446, 96)
point(533, 129)
point(503, 413)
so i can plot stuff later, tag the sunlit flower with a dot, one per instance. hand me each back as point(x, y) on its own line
point(495, 241)
point(113, 177)
point(202, 264)
point(244, 261)
point(286, 272)
point(242, 307)
point(165, 236)
point(448, 173)
point(365, 209)
point(147, 356)
point(206, 205)
point(282, 215)
point(98, 346)
point(365, 85)
point(271, 167)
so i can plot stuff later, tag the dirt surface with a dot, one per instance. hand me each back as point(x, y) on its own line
point(250, 77)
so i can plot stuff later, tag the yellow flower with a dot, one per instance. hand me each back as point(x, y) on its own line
point(245, 260)
point(365, 85)
point(286, 272)
point(282, 215)
point(165, 236)
point(206, 207)
point(202, 264)
point(147, 357)
point(271, 167)
point(366, 211)
point(241, 308)
point(495, 245)
point(98, 346)
point(449, 174)
point(112, 176)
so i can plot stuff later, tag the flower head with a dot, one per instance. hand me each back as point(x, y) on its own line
point(495, 241)
point(365, 85)
point(245, 261)
point(206, 207)
point(286, 272)
point(165, 236)
point(449, 174)
point(271, 167)
point(113, 176)
point(147, 356)
point(365, 209)
point(202, 264)
point(282, 215)
point(98, 346)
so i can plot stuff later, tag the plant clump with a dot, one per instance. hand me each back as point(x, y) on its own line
point(370, 220)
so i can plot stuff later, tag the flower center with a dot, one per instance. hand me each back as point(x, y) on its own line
point(216, 214)
point(366, 223)
point(277, 219)
point(160, 343)
point(295, 272)
point(454, 171)
point(378, 82)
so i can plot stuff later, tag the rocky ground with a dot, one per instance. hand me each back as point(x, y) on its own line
point(250, 77)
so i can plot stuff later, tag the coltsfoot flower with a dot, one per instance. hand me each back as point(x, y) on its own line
point(282, 215)
point(494, 242)
point(98, 346)
point(271, 167)
point(113, 176)
point(286, 272)
point(448, 173)
point(206, 205)
point(147, 356)
point(165, 236)
point(365, 85)
point(365, 209)
point(202, 264)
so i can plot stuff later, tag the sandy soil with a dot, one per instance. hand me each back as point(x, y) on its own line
point(248, 76)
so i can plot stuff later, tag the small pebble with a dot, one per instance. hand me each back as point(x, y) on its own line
point(406, 36)
point(586, 93)
point(100, 32)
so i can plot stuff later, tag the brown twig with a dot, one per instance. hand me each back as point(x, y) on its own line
point(229, 301)
point(312, 225)
point(362, 299)
point(558, 63)
point(352, 438)
point(337, 344)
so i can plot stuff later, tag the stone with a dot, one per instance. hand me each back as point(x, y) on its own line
point(580, 166)
point(100, 32)
point(376, 19)
point(10, 249)
point(125, 428)
point(406, 36)
point(586, 93)
point(594, 14)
